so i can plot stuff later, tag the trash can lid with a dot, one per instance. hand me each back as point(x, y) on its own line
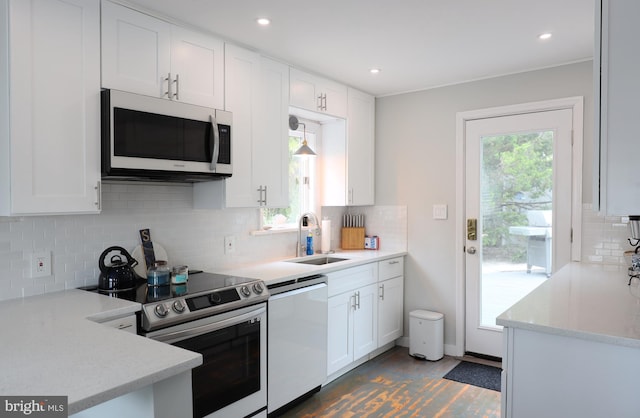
point(428, 315)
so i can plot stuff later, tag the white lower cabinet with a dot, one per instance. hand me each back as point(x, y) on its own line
point(49, 107)
point(353, 320)
point(390, 300)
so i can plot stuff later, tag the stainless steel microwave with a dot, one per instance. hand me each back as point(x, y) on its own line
point(148, 138)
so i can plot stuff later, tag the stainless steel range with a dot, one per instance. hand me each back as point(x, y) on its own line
point(205, 294)
point(224, 318)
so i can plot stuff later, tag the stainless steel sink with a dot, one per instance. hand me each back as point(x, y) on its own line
point(318, 261)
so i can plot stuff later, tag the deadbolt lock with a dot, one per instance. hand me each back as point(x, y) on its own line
point(472, 225)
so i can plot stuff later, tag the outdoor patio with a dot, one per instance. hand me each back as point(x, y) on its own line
point(503, 284)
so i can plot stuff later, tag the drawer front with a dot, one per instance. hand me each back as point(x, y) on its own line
point(388, 269)
point(352, 278)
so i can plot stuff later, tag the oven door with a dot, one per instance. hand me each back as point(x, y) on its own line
point(231, 382)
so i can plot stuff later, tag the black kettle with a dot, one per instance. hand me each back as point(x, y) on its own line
point(119, 274)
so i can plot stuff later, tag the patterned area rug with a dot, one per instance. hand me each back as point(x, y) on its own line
point(396, 385)
point(481, 375)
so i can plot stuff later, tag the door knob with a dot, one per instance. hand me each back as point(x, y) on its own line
point(471, 250)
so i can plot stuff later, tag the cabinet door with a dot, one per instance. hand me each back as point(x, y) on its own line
point(136, 49)
point(390, 310)
point(271, 165)
point(242, 81)
point(198, 62)
point(302, 93)
point(365, 321)
point(334, 98)
point(317, 94)
point(360, 149)
point(340, 332)
point(619, 113)
point(54, 64)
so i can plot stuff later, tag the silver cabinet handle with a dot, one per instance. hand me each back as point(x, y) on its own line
point(177, 81)
point(262, 200)
point(382, 291)
point(358, 299)
point(169, 82)
point(394, 262)
point(324, 99)
point(353, 304)
point(98, 190)
point(216, 142)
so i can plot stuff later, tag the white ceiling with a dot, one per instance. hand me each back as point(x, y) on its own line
point(417, 44)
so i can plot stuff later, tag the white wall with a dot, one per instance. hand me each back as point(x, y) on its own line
point(415, 166)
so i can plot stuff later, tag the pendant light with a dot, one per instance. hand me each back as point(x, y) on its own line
point(304, 148)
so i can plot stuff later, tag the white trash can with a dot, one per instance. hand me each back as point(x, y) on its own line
point(426, 335)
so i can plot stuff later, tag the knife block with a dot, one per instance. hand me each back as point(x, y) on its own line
point(352, 239)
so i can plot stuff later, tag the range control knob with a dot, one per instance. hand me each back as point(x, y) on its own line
point(258, 288)
point(245, 291)
point(178, 306)
point(161, 310)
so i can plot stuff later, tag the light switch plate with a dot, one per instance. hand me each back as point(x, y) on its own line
point(439, 211)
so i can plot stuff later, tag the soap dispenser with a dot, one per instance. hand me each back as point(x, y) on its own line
point(310, 244)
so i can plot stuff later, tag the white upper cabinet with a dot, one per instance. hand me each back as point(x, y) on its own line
point(617, 91)
point(256, 93)
point(348, 160)
point(50, 107)
point(360, 149)
point(271, 151)
point(317, 94)
point(145, 55)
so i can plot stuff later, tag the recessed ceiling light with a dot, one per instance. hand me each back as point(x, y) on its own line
point(544, 36)
point(374, 70)
point(263, 21)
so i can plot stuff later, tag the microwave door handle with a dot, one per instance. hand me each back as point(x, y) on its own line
point(216, 143)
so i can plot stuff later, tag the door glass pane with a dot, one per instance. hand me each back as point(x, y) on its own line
point(516, 211)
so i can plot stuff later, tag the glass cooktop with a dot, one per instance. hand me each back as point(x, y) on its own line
point(198, 283)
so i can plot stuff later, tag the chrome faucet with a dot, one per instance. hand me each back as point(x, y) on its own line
point(301, 246)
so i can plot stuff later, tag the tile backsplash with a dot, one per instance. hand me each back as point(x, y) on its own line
point(191, 237)
point(604, 238)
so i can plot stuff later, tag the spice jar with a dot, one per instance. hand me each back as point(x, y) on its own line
point(158, 274)
point(179, 275)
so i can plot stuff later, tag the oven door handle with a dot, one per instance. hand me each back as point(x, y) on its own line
point(176, 336)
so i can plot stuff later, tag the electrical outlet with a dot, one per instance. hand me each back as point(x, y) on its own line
point(41, 264)
point(229, 244)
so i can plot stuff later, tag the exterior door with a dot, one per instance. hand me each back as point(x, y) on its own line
point(518, 197)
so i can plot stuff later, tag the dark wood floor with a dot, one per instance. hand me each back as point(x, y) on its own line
point(395, 384)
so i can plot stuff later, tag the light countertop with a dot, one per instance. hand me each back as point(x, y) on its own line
point(279, 271)
point(53, 344)
point(583, 301)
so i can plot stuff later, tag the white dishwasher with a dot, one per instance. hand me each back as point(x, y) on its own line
point(296, 341)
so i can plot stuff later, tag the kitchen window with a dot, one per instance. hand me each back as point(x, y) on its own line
point(303, 182)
